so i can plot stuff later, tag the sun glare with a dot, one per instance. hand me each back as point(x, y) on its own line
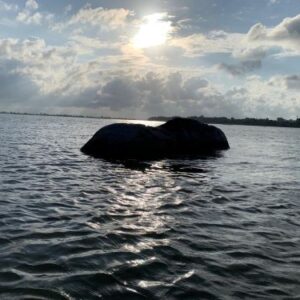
point(154, 31)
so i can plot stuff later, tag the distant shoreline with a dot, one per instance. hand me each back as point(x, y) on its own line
point(62, 115)
point(280, 122)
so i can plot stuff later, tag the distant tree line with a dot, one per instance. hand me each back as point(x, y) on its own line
point(280, 122)
point(57, 115)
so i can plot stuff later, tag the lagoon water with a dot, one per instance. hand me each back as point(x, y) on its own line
point(75, 227)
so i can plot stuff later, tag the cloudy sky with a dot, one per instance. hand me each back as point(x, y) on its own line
point(134, 58)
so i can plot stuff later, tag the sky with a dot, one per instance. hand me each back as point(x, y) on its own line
point(142, 58)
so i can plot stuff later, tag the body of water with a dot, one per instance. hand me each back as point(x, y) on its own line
point(75, 227)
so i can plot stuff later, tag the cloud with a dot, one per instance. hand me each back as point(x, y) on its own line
point(174, 94)
point(249, 60)
point(88, 18)
point(118, 94)
point(96, 70)
point(25, 51)
point(85, 45)
point(107, 19)
point(149, 94)
point(292, 82)
point(214, 42)
point(4, 6)
point(288, 82)
point(27, 17)
point(56, 82)
point(286, 34)
point(241, 68)
point(30, 16)
point(251, 53)
point(45, 66)
point(14, 87)
point(249, 49)
point(31, 5)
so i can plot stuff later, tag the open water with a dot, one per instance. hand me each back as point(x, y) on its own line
point(75, 227)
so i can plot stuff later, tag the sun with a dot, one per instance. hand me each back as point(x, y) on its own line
point(154, 31)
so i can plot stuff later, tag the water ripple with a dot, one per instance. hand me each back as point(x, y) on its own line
point(73, 227)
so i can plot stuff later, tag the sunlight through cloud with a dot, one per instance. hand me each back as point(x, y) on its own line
point(154, 31)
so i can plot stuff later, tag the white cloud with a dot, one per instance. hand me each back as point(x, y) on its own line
point(248, 56)
point(31, 5)
point(44, 66)
point(286, 34)
point(248, 49)
point(99, 17)
point(30, 16)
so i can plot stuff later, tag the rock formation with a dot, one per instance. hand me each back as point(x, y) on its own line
point(177, 137)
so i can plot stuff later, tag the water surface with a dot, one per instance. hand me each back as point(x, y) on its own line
point(75, 227)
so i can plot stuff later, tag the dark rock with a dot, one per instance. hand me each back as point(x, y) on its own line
point(176, 137)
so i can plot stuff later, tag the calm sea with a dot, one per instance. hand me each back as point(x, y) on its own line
point(74, 227)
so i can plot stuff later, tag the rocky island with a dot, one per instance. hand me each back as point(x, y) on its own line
point(177, 137)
